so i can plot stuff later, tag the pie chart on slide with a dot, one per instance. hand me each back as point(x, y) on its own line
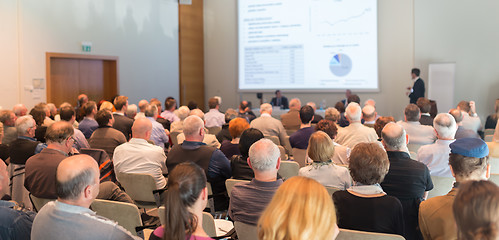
point(340, 65)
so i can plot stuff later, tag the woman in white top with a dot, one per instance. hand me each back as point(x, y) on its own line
point(320, 150)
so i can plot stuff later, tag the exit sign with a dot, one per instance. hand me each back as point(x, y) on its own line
point(86, 46)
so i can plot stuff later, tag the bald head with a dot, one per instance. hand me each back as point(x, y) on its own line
point(353, 112)
point(394, 137)
point(143, 104)
point(142, 128)
point(20, 110)
point(77, 180)
point(197, 112)
point(192, 126)
point(369, 113)
point(295, 103)
point(457, 114)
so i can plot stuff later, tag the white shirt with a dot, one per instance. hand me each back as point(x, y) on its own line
point(328, 175)
point(341, 154)
point(419, 134)
point(436, 157)
point(139, 156)
point(210, 139)
point(214, 118)
point(355, 133)
point(472, 123)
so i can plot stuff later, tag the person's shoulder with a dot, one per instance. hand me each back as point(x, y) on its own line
point(434, 204)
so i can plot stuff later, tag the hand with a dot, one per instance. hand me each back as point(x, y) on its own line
point(409, 88)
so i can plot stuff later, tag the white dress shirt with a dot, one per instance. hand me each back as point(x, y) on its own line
point(436, 157)
point(419, 134)
point(214, 118)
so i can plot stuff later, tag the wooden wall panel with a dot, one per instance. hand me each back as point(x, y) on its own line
point(91, 78)
point(64, 82)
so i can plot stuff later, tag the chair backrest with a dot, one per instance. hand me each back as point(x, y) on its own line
point(38, 203)
point(441, 186)
point(283, 153)
point(245, 231)
point(346, 234)
point(139, 187)
point(494, 178)
point(18, 192)
point(288, 169)
point(489, 131)
point(494, 165)
point(229, 184)
point(125, 214)
point(214, 130)
point(208, 221)
point(105, 163)
point(173, 137)
point(413, 147)
point(488, 138)
point(300, 156)
point(331, 190)
point(274, 139)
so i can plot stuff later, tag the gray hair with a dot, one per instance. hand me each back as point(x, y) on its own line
point(72, 188)
point(183, 112)
point(230, 114)
point(192, 124)
point(24, 123)
point(266, 107)
point(353, 111)
point(131, 110)
point(263, 155)
point(197, 112)
point(332, 114)
point(394, 140)
point(151, 110)
point(295, 103)
point(445, 125)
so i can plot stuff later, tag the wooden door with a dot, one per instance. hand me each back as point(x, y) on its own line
point(191, 53)
point(69, 75)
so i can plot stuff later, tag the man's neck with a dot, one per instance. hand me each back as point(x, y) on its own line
point(57, 146)
point(73, 202)
point(306, 125)
point(270, 176)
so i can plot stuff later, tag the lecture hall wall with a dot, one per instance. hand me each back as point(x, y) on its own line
point(143, 34)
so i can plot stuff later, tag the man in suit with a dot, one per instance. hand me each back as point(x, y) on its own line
point(291, 119)
point(268, 125)
point(348, 93)
point(121, 122)
point(468, 160)
point(417, 89)
point(279, 100)
point(424, 105)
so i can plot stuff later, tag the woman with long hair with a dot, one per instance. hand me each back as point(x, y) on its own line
point(185, 200)
point(492, 119)
point(300, 209)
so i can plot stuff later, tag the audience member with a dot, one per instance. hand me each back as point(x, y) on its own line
point(8, 118)
point(139, 156)
point(159, 134)
point(245, 111)
point(185, 200)
point(468, 161)
point(248, 200)
point(121, 122)
point(183, 112)
point(236, 128)
point(369, 115)
point(343, 121)
point(268, 125)
point(131, 111)
point(107, 106)
point(407, 180)
point(80, 102)
point(68, 114)
point(224, 134)
point(492, 119)
point(418, 133)
point(300, 209)
point(214, 118)
point(70, 217)
point(105, 137)
point(279, 100)
point(47, 121)
point(192, 105)
point(88, 124)
point(166, 123)
point(299, 139)
point(365, 206)
point(209, 139)
point(332, 114)
point(341, 153)
point(470, 119)
point(52, 110)
point(371, 102)
point(323, 170)
point(348, 93)
point(461, 131)
point(210, 159)
point(494, 145)
point(142, 107)
point(435, 156)
point(355, 132)
point(424, 105)
point(38, 114)
point(25, 145)
point(476, 210)
point(317, 117)
point(4, 149)
point(21, 110)
point(170, 106)
point(291, 119)
point(380, 124)
point(340, 107)
point(239, 164)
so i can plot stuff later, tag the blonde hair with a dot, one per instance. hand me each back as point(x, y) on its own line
point(320, 147)
point(300, 209)
point(107, 105)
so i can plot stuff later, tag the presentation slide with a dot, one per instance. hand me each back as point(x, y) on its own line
point(307, 45)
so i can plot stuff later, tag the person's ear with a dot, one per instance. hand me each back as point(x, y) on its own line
point(249, 163)
point(407, 139)
point(487, 172)
point(87, 192)
point(452, 171)
point(278, 163)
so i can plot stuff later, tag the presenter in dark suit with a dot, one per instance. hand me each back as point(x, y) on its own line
point(417, 89)
point(279, 100)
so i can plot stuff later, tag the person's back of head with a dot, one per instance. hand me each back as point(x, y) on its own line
point(60, 133)
point(415, 71)
point(266, 108)
point(394, 137)
point(193, 125)
point(248, 137)
point(20, 110)
point(353, 112)
point(120, 102)
point(103, 117)
point(170, 104)
point(380, 124)
point(237, 127)
point(90, 108)
point(131, 111)
point(151, 111)
point(143, 104)
point(369, 113)
point(327, 126)
point(469, 159)
point(67, 113)
point(424, 104)
point(368, 163)
point(38, 114)
point(445, 126)
point(157, 103)
point(77, 180)
point(213, 103)
point(197, 112)
point(183, 112)
point(340, 107)
point(476, 210)
point(300, 209)
point(6, 117)
point(264, 156)
point(82, 99)
point(312, 104)
point(306, 114)
point(186, 192)
point(25, 126)
point(106, 105)
point(332, 114)
point(230, 114)
point(141, 128)
point(192, 105)
point(353, 98)
point(320, 147)
point(295, 103)
point(371, 102)
point(412, 113)
point(464, 106)
point(458, 115)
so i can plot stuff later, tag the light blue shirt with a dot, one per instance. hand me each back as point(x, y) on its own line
point(158, 134)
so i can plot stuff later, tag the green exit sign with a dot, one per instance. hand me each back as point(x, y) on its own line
point(86, 46)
